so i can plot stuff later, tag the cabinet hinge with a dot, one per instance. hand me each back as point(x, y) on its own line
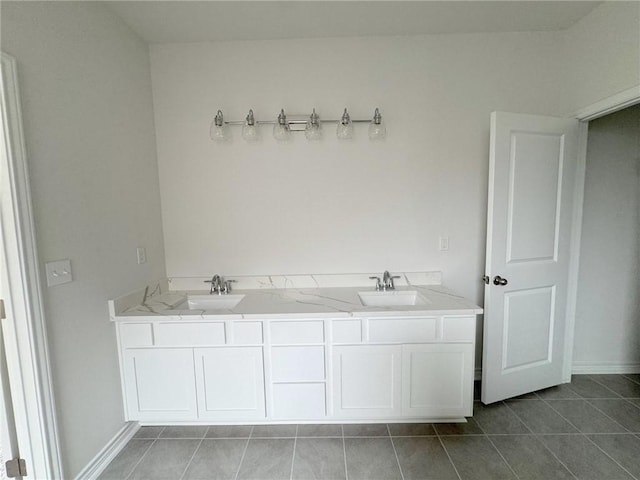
point(2, 314)
point(485, 279)
point(16, 468)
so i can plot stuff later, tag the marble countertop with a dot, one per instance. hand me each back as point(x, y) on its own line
point(298, 303)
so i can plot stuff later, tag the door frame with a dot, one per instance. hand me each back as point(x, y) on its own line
point(614, 103)
point(27, 352)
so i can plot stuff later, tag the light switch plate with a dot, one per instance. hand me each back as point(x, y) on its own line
point(444, 244)
point(58, 272)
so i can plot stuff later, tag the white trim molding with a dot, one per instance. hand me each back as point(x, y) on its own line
point(604, 368)
point(624, 99)
point(25, 331)
point(614, 103)
point(101, 461)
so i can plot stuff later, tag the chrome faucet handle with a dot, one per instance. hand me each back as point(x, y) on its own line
point(387, 280)
point(227, 285)
point(378, 282)
point(215, 283)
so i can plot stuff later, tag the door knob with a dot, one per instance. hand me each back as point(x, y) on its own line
point(498, 280)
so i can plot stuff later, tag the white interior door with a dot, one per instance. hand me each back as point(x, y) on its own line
point(529, 227)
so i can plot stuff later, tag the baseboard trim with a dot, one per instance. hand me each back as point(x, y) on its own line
point(586, 368)
point(96, 466)
point(604, 368)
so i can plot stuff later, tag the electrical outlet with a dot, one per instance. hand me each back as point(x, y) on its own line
point(58, 272)
point(142, 255)
point(444, 244)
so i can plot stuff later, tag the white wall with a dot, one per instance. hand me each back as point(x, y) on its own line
point(602, 53)
point(88, 122)
point(608, 310)
point(334, 207)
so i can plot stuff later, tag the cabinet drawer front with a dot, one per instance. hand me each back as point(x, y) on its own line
point(299, 401)
point(297, 364)
point(459, 329)
point(347, 331)
point(172, 334)
point(402, 330)
point(247, 333)
point(283, 333)
point(135, 335)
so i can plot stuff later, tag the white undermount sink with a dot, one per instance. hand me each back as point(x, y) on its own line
point(391, 298)
point(213, 302)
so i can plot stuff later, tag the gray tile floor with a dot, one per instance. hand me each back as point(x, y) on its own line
point(588, 429)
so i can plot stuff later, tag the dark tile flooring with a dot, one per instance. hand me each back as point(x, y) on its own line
point(588, 429)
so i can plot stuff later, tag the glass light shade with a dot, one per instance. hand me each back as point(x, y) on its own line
point(345, 127)
point(219, 131)
point(313, 128)
point(377, 131)
point(281, 130)
point(250, 131)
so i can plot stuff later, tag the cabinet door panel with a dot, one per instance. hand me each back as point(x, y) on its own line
point(230, 383)
point(367, 381)
point(160, 384)
point(437, 380)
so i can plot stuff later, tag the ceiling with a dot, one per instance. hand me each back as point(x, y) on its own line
point(197, 21)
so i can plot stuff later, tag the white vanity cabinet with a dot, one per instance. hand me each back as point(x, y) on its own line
point(191, 371)
point(416, 367)
point(284, 369)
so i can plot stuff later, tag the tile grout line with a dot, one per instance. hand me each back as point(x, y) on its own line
point(590, 377)
point(455, 469)
point(606, 414)
point(613, 420)
point(344, 452)
point(610, 457)
point(193, 454)
point(502, 456)
point(395, 452)
point(626, 375)
point(535, 435)
point(518, 417)
point(585, 435)
point(142, 457)
point(293, 456)
point(244, 453)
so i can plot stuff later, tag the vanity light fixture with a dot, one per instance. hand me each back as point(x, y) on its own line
point(284, 125)
point(219, 130)
point(377, 130)
point(250, 131)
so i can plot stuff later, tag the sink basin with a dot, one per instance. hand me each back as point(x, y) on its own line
point(213, 302)
point(393, 298)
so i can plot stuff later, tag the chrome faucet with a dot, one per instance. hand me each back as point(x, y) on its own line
point(387, 281)
point(219, 285)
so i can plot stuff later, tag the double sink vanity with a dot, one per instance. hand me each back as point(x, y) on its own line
point(309, 352)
